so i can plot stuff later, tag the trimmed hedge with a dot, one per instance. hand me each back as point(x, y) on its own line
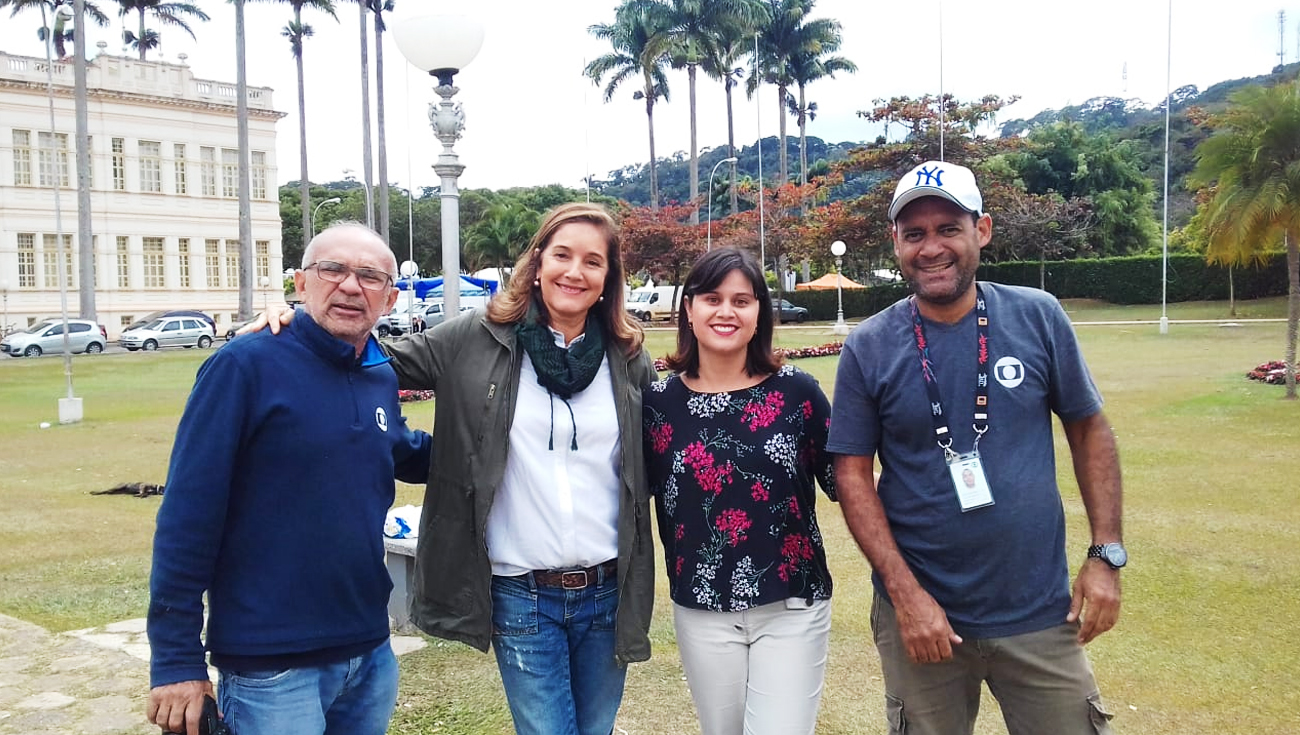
point(1126, 280)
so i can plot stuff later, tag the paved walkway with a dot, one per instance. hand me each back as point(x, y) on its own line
point(83, 681)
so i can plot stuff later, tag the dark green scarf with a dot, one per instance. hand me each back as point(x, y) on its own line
point(562, 372)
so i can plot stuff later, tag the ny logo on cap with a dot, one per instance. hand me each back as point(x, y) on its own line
point(932, 176)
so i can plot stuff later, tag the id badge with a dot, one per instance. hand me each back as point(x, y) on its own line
point(969, 481)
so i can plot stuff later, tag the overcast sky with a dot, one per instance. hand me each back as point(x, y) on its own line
point(533, 119)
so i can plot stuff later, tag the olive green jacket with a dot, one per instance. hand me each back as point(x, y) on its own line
point(473, 366)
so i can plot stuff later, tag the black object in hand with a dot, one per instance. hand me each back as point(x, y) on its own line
point(209, 722)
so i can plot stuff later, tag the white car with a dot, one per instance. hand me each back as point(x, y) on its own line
point(169, 331)
point(47, 336)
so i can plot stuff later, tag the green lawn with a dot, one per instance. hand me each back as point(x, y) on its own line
point(1207, 641)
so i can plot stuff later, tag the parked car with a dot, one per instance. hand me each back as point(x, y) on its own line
point(431, 314)
point(236, 326)
point(47, 336)
point(170, 331)
point(650, 303)
point(176, 312)
point(788, 312)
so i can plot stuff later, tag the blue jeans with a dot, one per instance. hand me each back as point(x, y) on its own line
point(353, 697)
point(555, 651)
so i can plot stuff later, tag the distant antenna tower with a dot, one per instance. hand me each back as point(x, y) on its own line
point(1124, 76)
point(1281, 35)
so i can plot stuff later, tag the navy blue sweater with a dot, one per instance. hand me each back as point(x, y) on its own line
point(280, 479)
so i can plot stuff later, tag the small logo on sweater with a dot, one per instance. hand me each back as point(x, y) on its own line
point(1009, 371)
point(381, 419)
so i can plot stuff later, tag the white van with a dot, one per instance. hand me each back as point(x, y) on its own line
point(654, 303)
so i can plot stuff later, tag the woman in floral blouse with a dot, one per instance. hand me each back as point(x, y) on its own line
point(734, 440)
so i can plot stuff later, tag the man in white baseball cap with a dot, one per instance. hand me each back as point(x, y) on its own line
point(938, 178)
point(972, 579)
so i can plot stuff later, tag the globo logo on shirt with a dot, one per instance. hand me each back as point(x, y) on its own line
point(1009, 371)
point(381, 419)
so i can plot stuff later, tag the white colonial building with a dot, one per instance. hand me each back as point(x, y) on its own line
point(164, 190)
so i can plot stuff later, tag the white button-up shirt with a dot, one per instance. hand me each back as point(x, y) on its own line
point(557, 508)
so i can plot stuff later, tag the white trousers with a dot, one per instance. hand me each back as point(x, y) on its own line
point(756, 672)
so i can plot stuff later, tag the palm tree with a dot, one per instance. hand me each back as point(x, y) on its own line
point(722, 64)
point(691, 28)
point(639, 49)
point(59, 33)
point(814, 61)
point(497, 239)
point(787, 37)
point(379, 7)
point(1252, 165)
point(297, 32)
point(245, 166)
point(166, 13)
point(367, 150)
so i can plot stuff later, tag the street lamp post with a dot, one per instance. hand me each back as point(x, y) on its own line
point(837, 249)
point(265, 283)
point(709, 238)
point(442, 45)
point(331, 200)
point(4, 320)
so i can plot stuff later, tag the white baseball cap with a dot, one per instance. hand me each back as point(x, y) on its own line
point(937, 178)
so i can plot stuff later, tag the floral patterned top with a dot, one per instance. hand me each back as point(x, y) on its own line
point(732, 474)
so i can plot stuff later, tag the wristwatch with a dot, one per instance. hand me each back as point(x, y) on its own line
point(1112, 553)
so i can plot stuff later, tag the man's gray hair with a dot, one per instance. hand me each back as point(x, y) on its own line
point(307, 254)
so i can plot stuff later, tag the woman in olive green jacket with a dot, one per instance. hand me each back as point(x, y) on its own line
point(535, 531)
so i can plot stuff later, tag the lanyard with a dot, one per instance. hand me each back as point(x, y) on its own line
point(981, 422)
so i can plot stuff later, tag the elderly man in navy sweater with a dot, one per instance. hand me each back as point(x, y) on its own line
point(280, 479)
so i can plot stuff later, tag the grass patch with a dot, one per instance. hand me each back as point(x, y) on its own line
point(1207, 641)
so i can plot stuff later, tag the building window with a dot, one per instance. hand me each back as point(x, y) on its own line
point(229, 172)
point(212, 262)
point(53, 158)
point(208, 170)
point(151, 166)
point(127, 320)
point(119, 164)
point(262, 249)
point(22, 158)
point(232, 263)
point(153, 263)
point(123, 262)
point(259, 174)
point(182, 186)
point(183, 254)
point(26, 260)
point(50, 258)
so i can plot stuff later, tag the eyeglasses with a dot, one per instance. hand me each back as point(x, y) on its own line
point(369, 278)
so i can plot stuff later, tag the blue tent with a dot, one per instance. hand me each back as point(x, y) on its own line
point(425, 287)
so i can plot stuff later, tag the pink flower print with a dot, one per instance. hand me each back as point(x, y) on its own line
point(696, 456)
point(794, 507)
point(796, 550)
point(660, 437)
point(733, 523)
point(763, 414)
point(796, 547)
point(680, 562)
point(711, 479)
point(758, 492)
point(680, 532)
point(807, 410)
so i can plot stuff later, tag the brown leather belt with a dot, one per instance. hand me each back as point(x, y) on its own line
point(576, 579)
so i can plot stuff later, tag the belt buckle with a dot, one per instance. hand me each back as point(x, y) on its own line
point(573, 580)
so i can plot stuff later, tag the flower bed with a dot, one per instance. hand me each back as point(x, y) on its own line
point(1273, 373)
point(830, 348)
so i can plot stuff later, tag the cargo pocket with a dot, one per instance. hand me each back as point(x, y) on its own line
point(894, 714)
point(1100, 714)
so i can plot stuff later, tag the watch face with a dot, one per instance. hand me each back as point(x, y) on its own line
point(1115, 555)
